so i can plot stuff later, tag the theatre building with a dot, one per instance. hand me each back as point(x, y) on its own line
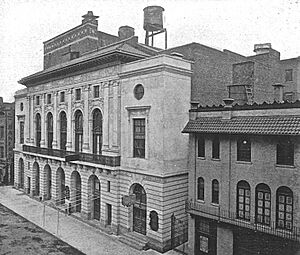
point(244, 179)
point(101, 136)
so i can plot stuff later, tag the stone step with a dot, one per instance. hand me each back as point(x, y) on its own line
point(136, 241)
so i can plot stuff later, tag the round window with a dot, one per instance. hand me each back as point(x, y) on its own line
point(138, 91)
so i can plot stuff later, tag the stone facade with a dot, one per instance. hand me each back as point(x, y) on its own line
point(90, 183)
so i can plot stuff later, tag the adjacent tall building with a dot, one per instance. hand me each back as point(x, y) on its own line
point(7, 129)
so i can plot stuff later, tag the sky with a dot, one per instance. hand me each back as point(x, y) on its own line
point(234, 25)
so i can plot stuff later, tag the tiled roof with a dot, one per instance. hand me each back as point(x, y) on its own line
point(259, 125)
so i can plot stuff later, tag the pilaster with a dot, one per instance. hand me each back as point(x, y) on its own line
point(43, 124)
point(105, 135)
point(69, 121)
point(54, 142)
point(86, 147)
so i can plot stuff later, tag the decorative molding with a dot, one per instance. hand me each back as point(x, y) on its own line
point(134, 111)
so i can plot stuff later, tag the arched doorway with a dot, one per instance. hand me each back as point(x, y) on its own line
point(76, 191)
point(36, 176)
point(95, 197)
point(47, 175)
point(139, 209)
point(21, 173)
point(60, 183)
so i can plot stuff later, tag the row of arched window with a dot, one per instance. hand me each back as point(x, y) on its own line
point(284, 202)
point(78, 130)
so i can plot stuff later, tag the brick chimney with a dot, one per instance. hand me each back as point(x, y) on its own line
point(262, 48)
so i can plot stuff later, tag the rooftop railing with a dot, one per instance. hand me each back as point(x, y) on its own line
point(86, 157)
point(230, 217)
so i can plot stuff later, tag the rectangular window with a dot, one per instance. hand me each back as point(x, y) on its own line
point(77, 94)
point(288, 74)
point(1, 152)
point(96, 91)
point(1, 132)
point(285, 152)
point(48, 98)
point(21, 132)
point(201, 146)
point(139, 138)
point(108, 186)
point(37, 100)
point(62, 97)
point(108, 214)
point(216, 148)
point(244, 150)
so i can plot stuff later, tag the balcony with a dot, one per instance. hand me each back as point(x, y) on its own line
point(112, 161)
point(229, 217)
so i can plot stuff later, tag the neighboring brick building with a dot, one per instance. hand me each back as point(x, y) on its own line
point(7, 129)
point(244, 179)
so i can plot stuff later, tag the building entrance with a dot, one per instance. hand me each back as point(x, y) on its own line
point(139, 210)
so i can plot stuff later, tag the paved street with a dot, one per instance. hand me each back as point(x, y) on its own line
point(20, 236)
point(83, 237)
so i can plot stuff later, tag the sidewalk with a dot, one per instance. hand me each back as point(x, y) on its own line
point(72, 231)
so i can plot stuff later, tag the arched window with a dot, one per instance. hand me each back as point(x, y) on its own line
point(263, 204)
point(49, 130)
point(38, 129)
point(284, 208)
point(63, 130)
point(215, 192)
point(97, 131)
point(243, 201)
point(78, 131)
point(200, 188)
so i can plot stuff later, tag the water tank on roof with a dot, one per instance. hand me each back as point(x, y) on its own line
point(153, 18)
point(125, 32)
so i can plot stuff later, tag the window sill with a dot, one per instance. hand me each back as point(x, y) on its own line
point(243, 221)
point(244, 162)
point(214, 204)
point(202, 158)
point(215, 159)
point(284, 166)
point(200, 201)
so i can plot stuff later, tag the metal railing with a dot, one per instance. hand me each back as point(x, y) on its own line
point(230, 217)
point(86, 157)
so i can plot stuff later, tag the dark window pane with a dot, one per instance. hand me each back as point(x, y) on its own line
point(139, 138)
point(201, 146)
point(244, 149)
point(285, 152)
point(216, 148)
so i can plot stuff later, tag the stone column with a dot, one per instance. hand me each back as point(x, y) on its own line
point(115, 120)
point(69, 121)
point(31, 123)
point(43, 123)
point(54, 142)
point(105, 145)
point(28, 120)
point(86, 147)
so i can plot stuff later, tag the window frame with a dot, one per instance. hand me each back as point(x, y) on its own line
point(77, 94)
point(62, 97)
point(287, 193)
point(288, 75)
point(49, 99)
point(2, 132)
point(2, 152)
point(243, 190)
point(37, 100)
point(215, 153)
point(96, 93)
point(215, 191)
point(266, 204)
point(49, 130)
point(243, 152)
point(139, 138)
point(78, 131)
point(63, 130)
point(200, 146)
point(22, 132)
point(285, 152)
point(200, 189)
